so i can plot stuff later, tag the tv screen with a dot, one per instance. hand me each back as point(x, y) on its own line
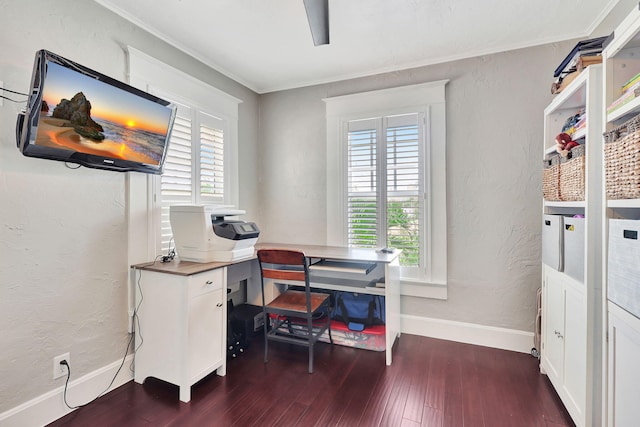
point(78, 115)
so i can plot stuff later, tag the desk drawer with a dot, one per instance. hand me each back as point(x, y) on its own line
point(208, 281)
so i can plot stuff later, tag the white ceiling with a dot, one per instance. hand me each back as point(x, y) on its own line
point(267, 46)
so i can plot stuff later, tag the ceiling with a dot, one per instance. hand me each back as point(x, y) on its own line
point(266, 44)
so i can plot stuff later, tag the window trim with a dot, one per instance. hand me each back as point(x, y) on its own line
point(428, 98)
point(152, 75)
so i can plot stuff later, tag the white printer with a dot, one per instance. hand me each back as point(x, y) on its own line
point(203, 234)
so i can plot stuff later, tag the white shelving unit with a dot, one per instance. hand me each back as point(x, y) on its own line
point(571, 352)
point(621, 60)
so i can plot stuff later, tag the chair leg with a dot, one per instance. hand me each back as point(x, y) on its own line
point(266, 336)
point(311, 358)
point(329, 329)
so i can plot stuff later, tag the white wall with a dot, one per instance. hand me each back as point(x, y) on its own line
point(63, 234)
point(494, 134)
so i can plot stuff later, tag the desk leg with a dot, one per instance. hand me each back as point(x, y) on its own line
point(392, 306)
point(222, 370)
point(185, 393)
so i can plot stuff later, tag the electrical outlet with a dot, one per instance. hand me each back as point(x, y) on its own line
point(58, 369)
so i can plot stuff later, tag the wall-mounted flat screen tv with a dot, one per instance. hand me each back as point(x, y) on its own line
point(78, 115)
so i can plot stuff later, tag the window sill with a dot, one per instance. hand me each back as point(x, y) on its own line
point(414, 288)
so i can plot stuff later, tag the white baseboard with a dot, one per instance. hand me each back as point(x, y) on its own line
point(488, 336)
point(50, 406)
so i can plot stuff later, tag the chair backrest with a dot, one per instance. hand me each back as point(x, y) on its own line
point(286, 265)
point(281, 264)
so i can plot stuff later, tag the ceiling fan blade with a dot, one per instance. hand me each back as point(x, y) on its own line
point(318, 16)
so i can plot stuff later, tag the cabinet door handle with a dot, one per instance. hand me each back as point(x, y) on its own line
point(219, 304)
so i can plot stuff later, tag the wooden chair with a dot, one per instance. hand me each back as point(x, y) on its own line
point(296, 315)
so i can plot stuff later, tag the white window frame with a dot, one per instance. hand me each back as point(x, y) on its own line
point(142, 190)
point(153, 76)
point(428, 99)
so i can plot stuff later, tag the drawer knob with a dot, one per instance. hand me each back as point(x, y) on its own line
point(219, 304)
point(209, 282)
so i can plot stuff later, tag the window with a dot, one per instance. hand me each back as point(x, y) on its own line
point(194, 167)
point(391, 217)
point(202, 162)
point(386, 178)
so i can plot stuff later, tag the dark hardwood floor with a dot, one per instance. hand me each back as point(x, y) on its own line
point(430, 383)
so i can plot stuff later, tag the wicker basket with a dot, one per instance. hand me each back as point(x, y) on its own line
point(551, 178)
point(563, 177)
point(622, 160)
point(572, 175)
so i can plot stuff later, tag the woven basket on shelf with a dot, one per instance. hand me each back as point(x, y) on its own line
point(572, 175)
point(551, 178)
point(622, 160)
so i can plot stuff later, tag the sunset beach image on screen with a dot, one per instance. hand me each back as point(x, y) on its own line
point(80, 113)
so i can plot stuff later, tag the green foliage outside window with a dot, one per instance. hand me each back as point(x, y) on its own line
point(402, 226)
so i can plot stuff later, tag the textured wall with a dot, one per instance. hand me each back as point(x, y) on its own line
point(63, 234)
point(494, 133)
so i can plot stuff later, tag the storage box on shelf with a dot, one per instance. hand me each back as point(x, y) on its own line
point(572, 170)
point(573, 243)
point(624, 264)
point(563, 177)
point(552, 242)
point(622, 160)
point(551, 178)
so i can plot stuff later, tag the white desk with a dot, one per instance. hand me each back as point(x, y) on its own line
point(182, 306)
point(346, 269)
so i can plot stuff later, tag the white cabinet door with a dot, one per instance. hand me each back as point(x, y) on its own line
point(624, 368)
point(575, 347)
point(563, 356)
point(204, 334)
point(553, 318)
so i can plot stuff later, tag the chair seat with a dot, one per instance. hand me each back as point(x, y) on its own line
point(297, 301)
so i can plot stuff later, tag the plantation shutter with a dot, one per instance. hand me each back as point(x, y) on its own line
point(193, 171)
point(176, 182)
point(404, 178)
point(384, 175)
point(362, 184)
point(211, 159)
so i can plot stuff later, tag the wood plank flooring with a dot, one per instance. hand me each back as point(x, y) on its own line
point(430, 383)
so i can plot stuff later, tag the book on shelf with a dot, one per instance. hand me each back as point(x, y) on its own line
point(626, 97)
point(632, 83)
point(630, 91)
point(585, 61)
point(590, 47)
point(562, 82)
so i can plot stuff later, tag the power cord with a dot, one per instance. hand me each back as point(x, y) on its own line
point(171, 254)
point(14, 92)
point(66, 384)
point(136, 320)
